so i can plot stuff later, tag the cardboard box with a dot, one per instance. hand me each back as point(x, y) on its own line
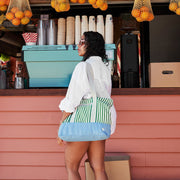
point(117, 167)
point(166, 74)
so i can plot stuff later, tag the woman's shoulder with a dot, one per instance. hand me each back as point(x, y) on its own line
point(96, 61)
point(94, 58)
point(81, 66)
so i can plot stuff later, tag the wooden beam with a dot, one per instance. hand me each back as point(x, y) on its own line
point(110, 1)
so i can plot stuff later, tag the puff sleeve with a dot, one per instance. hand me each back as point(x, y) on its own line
point(78, 87)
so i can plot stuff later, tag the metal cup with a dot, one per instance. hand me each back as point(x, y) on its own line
point(19, 83)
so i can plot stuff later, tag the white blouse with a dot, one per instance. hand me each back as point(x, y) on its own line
point(79, 87)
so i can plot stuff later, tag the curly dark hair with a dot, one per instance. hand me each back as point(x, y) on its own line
point(95, 45)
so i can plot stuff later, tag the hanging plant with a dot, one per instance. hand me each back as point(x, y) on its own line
point(19, 12)
point(142, 10)
point(60, 5)
point(174, 6)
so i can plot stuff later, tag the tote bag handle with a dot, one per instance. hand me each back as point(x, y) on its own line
point(90, 75)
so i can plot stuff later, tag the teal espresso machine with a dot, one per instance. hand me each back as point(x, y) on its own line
point(52, 65)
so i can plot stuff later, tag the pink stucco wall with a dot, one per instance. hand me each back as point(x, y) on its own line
point(147, 130)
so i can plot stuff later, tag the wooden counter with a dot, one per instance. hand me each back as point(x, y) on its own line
point(148, 123)
point(115, 91)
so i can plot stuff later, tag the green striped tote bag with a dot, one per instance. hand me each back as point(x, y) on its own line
point(91, 121)
point(79, 126)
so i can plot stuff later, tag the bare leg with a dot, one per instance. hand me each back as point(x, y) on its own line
point(74, 153)
point(96, 158)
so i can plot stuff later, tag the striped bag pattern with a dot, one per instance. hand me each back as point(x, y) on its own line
point(78, 126)
point(91, 120)
point(83, 112)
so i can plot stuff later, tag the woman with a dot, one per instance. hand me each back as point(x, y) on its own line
point(92, 48)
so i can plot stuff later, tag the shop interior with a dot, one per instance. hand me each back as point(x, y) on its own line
point(157, 41)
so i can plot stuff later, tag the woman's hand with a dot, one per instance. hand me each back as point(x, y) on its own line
point(59, 140)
